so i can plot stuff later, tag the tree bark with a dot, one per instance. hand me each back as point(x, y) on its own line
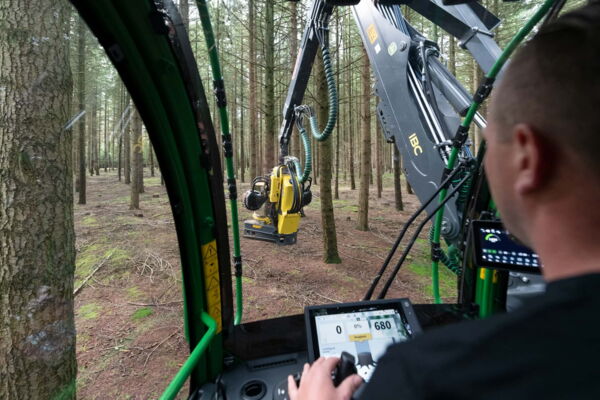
point(379, 154)
point(37, 239)
point(336, 190)
point(295, 144)
point(269, 132)
point(330, 251)
point(365, 170)
point(151, 155)
point(127, 149)
point(81, 178)
point(137, 161)
point(253, 92)
point(242, 144)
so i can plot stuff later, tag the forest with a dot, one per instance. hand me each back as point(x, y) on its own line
point(71, 138)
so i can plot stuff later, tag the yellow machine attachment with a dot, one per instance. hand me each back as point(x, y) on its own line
point(277, 200)
point(284, 192)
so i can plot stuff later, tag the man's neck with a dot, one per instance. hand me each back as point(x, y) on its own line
point(567, 242)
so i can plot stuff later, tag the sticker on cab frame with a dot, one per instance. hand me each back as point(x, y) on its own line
point(212, 284)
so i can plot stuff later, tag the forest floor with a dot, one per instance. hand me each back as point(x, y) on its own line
point(130, 339)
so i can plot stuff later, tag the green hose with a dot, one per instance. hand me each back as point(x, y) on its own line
point(464, 128)
point(307, 156)
point(333, 101)
point(228, 147)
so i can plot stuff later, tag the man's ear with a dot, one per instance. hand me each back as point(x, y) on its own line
point(534, 159)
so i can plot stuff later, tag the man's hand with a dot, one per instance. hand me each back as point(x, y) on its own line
point(316, 383)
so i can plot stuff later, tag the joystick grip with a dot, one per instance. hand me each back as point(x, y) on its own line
point(344, 369)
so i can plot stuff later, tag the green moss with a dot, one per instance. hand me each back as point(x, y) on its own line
point(89, 222)
point(142, 313)
point(89, 311)
point(91, 256)
point(134, 293)
point(248, 281)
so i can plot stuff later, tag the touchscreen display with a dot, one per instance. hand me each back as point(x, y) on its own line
point(364, 334)
point(496, 248)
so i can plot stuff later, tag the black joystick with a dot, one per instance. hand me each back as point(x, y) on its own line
point(344, 368)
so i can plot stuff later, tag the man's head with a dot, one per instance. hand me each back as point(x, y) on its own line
point(544, 122)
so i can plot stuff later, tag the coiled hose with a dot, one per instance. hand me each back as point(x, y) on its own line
point(333, 101)
point(307, 154)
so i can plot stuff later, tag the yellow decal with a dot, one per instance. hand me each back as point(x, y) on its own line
point(212, 282)
point(257, 226)
point(361, 337)
point(372, 33)
point(414, 142)
point(482, 273)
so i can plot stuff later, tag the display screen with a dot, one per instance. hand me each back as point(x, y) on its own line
point(364, 329)
point(494, 248)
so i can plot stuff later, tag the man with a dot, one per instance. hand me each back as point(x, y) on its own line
point(543, 166)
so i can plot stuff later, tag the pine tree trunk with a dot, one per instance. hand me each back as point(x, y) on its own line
point(81, 178)
point(379, 153)
point(253, 92)
point(151, 155)
point(330, 251)
point(127, 150)
point(269, 132)
point(136, 161)
point(336, 190)
point(37, 239)
point(95, 133)
point(105, 132)
point(351, 117)
point(397, 184)
point(365, 170)
point(120, 163)
point(295, 145)
point(242, 144)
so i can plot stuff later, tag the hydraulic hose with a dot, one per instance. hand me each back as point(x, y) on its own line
point(333, 101)
point(403, 232)
point(219, 88)
point(413, 239)
point(307, 152)
point(463, 130)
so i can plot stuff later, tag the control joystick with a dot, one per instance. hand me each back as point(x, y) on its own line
point(344, 368)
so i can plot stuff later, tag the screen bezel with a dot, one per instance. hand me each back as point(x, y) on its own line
point(403, 306)
point(478, 253)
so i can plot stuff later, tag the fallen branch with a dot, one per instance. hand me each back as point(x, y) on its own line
point(87, 278)
point(169, 303)
point(158, 345)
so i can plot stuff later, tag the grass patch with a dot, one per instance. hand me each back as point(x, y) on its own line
point(246, 280)
point(89, 311)
point(141, 313)
point(92, 255)
point(86, 259)
point(89, 222)
point(134, 293)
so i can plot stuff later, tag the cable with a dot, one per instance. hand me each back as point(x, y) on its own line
point(413, 239)
point(403, 232)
